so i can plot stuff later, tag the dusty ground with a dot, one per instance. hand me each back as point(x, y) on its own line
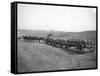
point(42, 57)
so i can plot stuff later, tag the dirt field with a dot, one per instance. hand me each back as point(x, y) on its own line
point(42, 57)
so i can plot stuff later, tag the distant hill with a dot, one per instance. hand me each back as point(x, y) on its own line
point(58, 34)
point(33, 33)
point(85, 34)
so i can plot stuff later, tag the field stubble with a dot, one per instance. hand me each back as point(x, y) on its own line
point(42, 57)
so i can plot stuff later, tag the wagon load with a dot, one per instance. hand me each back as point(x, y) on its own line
point(78, 45)
point(81, 45)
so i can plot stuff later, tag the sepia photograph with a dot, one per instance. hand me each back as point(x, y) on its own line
point(55, 37)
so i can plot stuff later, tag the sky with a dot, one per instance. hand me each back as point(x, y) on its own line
point(56, 18)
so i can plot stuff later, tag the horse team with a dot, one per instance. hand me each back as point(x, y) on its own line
point(78, 44)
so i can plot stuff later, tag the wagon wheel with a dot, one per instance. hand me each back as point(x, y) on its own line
point(66, 46)
point(80, 50)
point(92, 49)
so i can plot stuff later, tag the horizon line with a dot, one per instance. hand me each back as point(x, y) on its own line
point(55, 30)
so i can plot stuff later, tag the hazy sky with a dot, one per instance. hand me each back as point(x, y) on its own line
point(58, 18)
